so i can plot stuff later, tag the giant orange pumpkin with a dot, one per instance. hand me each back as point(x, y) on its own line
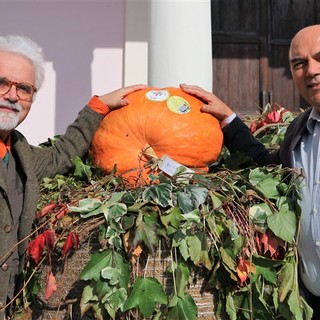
point(156, 122)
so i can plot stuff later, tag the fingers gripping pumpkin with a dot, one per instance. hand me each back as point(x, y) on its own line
point(156, 122)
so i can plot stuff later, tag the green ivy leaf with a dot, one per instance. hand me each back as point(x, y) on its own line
point(258, 215)
point(182, 274)
point(97, 262)
point(146, 231)
point(173, 218)
point(86, 298)
point(198, 250)
point(160, 194)
point(198, 195)
point(117, 299)
point(267, 273)
point(184, 309)
point(113, 214)
point(100, 262)
point(184, 202)
point(146, 293)
point(230, 307)
point(180, 240)
point(264, 182)
point(283, 224)
point(80, 169)
point(294, 305)
point(286, 280)
point(111, 274)
point(87, 207)
point(229, 263)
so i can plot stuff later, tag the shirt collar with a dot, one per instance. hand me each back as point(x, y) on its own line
point(314, 118)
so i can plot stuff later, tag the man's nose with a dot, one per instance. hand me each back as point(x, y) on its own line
point(313, 68)
point(11, 95)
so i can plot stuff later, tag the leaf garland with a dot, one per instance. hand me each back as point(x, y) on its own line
point(234, 229)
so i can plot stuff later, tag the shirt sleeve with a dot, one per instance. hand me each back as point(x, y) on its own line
point(98, 106)
point(227, 120)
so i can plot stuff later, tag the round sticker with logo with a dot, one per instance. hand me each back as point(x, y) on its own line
point(157, 95)
point(178, 105)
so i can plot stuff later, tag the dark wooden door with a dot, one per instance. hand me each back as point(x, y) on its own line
point(250, 43)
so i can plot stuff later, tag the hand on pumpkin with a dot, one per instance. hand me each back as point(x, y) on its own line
point(212, 104)
point(117, 98)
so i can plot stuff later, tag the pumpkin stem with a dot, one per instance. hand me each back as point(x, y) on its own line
point(148, 151)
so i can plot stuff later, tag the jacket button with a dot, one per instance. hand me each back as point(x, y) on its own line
point(5, 267)
point(7, 228)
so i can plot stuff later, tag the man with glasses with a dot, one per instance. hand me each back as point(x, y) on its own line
point(22, 166)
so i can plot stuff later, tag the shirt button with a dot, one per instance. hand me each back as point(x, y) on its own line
point(5, 267)
point(7, 228)
point(318, 243)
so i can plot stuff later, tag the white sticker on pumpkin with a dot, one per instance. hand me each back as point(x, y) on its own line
point(157, 95)
point(178, 105)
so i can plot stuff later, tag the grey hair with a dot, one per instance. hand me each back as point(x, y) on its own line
point(27, 48)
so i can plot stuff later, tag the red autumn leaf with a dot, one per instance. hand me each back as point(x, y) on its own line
point(271, 243)
point(51, 285)
point(253, 127)
point(273, 116)
point(71, 241)
point(35, 247)
point(244, 267)
point(49, 239)
point(261, 124)
point(45, 210)
point(75, 240)
point(242, 271)
point(61, 213)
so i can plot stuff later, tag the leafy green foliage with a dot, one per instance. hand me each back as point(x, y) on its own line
point(146, 293)
point(233, 229)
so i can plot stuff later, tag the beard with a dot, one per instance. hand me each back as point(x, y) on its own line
point(9, 120)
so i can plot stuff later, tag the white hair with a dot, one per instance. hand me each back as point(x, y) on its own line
point(28, 48)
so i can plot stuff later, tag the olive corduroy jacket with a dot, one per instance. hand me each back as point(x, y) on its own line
point(37, 163)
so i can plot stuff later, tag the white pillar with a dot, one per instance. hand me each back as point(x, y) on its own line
point(180, 48)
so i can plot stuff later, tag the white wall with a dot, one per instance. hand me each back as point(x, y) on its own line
point(137, 27)
point(83, 41)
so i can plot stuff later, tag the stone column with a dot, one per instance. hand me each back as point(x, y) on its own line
point(180, 47)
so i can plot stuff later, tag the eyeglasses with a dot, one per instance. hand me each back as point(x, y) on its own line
point(25, 91)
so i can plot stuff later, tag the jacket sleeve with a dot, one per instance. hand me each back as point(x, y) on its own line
point(75, 142)
point(237, 137)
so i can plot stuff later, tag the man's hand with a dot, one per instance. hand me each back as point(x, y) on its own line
point(212, 104)
point(117, 98)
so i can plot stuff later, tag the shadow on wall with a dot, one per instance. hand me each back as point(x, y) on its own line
point(68, 31)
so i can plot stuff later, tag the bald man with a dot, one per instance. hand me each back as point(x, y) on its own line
point(300, 149)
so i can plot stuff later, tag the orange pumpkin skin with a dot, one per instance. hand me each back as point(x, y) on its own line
point(164, 121)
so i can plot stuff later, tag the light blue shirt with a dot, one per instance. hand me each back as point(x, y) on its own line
point(306, 158)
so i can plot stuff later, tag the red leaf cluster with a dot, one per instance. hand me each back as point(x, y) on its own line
point(46, 240)
point(71, 241)
point(273, 116)
point(51, 285)
point(270, 245)
point(36, 246)
point(243, 269)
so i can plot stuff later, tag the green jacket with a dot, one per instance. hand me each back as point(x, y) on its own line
point(36, 164)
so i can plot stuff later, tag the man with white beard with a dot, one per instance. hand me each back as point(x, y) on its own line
point(22, 166)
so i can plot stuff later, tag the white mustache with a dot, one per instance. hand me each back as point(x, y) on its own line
point(14, 106)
